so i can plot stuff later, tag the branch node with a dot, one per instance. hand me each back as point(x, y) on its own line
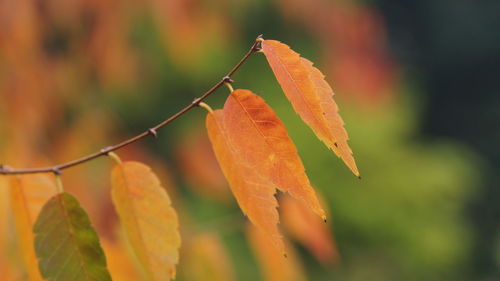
point(105, 150)
point(56, 171)
point(257, 47)
point(196, 101)
point(153, 132)
point(227, 79)
point(4, 169)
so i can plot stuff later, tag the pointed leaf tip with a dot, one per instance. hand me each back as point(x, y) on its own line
point(311, 97)
point(254, 194)
point(261, 141)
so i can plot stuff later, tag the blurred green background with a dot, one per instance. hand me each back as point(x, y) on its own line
point(417, 83)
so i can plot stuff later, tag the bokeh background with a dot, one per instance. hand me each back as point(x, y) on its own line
point(417, 83)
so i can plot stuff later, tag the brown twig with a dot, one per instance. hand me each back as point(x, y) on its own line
point(150, 132)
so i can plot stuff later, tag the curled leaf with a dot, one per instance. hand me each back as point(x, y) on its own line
point(149, 221)
point(260, 139)
point(311, 97)
point(255, 195)
point(66, 245)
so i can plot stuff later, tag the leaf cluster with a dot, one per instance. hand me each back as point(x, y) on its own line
point(257, 158)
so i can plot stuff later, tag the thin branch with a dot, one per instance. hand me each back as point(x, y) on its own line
point(150, 132)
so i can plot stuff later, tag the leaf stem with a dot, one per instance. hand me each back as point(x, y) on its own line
point(115, 157)
point(59, 184)
point(229, 86)
point(206, 106)
point(56, 169)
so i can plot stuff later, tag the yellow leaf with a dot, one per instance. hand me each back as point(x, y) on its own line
point(260, 139)
point(255, 195)
point(311, 97)
point(149, 221)
point(28, 194)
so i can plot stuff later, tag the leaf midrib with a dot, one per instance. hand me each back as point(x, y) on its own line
point(136, 222)
point(282, 161)
point(320, 119)
point(72, 234)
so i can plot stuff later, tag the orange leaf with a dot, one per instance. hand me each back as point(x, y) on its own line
point(311, 97)
point(149, 221)
point(261, 140)
point(255, 195)
point(28, 193)
point(274, 266)
point(302, 225)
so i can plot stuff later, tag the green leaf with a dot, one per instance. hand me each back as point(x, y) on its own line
point(66, 245)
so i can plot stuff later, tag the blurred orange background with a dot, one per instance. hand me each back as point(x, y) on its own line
point(78, 75)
